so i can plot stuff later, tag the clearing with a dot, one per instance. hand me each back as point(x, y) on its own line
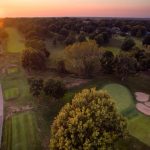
point(15, 42)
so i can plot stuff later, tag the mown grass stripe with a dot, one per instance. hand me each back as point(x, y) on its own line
point(15, 133)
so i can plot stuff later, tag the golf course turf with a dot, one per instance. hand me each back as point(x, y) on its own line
point(121, 95)
point(15, 40)
point(21, 133)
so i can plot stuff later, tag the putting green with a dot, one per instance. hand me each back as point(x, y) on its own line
point(139, 128)
point(21, 133)
point(121, 95)
point(15, 42)
point(11, 93)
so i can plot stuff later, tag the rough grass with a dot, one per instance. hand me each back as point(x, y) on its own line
point(11, 93)
point(139, 128)
point(21, 133)
point(15, 42)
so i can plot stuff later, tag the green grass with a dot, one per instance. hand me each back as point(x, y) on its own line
point(15, 42)
point(139, 128)
point(21, 133)
point(12, 70)
point(121, 95)
point(18, 80)
point(11, 93)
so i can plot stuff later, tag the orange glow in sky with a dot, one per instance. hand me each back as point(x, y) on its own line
point(77, 8)
point(1, 24)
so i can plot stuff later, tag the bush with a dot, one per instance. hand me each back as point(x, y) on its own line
point(127, 44)
point(89, 122)
point(54, 88)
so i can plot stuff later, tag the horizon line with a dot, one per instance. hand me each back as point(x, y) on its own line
point(123, 17)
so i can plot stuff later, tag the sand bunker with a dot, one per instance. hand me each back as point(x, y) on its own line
point(143, 108)
point(142, 97)
point(143, 104)
point(147, 104)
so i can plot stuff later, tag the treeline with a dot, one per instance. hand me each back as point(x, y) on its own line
point(86, 59)
point(69, 30)
point(83, 38)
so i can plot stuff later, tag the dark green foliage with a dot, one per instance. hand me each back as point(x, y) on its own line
point(103, 38)
point(36, 86)
point(33, 60)
point(128, 44)
point(61, 68)
point(138, 30)
point(70, 40)
point(54, 88)
point(146, 40)
point(125, 65)
point(82, 37)
point(99, 39)
point(107, 62)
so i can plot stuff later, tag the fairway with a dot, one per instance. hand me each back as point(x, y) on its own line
point(11, 93)
point(121, 95)
point(21, 133)
point(139, 128)
point(15, 41)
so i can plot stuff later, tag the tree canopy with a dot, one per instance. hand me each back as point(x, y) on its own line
point(91, 121)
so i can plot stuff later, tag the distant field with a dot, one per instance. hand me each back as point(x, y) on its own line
point(15, 42)
point(21, 133)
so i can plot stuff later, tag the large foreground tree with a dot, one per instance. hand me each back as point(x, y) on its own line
point(90, 122)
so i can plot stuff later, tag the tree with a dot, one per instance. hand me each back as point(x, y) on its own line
point(70, 40)
point(61, 67)
point(38, 45)
point(125, 65)
point(36, 86)
point(146, 40)
point(91, 121)
point(54, 88)
point(99, 39)
point(83, 59)
point(82, 37)
point(103, 38)
point(107, 62)
point(128, 44)
point(33, 59)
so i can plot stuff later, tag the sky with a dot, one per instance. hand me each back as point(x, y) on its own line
point(75, 8)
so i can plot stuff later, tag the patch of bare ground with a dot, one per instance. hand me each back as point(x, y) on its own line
point(142, 97)
point(12, 109)
point(74, 82)
point(143, 104)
